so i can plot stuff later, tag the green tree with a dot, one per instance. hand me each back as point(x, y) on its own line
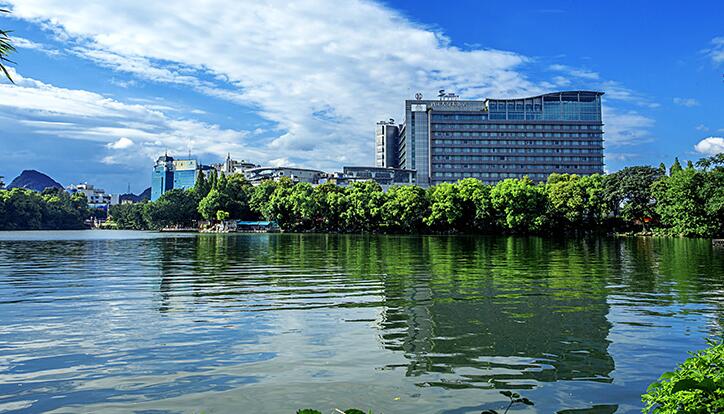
point(364, 212)
point(129, 216)
point(575, 202)
point(689, 165)
point(24, 209)
point(215, 201)
point(294, 207)
point(237, 190)
point(713, 161)
point(446, 209)
point(404, 209)
point(63, 211)
point(628, 193)
point(520, 205)
point(662, 169)
point(675, 167)
point(712, 192)
point(6, 48)
point(260, 196)
point(202, 186)
point(176, 207)
point(680, 204)
point(331, 202)
point(477, 209)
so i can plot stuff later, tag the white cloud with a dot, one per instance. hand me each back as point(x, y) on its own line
point(579, 73)
point(701, 127)
point(688, 102)
point(710, 146)
point(621, 156)
point(22, 43)
point(82, 115)
point(323, 71)
point(626, 128)
point(716, 52)
point(122, 143)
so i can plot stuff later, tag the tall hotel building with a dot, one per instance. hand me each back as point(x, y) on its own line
point(448, 139)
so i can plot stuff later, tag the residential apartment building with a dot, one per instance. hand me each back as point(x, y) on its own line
point(448, 139)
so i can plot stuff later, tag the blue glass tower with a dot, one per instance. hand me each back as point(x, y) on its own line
point(171, 174)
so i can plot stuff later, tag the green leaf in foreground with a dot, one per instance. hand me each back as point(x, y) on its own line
point(696, 386)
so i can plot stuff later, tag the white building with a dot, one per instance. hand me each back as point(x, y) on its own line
point(297, 175)
point(230, 166)
point(97, 197)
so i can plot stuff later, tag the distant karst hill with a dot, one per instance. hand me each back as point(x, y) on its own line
point(144, 196)
point(34, 180)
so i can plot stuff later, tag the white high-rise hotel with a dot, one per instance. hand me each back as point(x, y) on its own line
point(448, 139)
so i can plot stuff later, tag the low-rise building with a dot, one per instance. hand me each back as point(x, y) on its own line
point(97, 197)
point(231, 166)
point(385, 177)
point(298, 175)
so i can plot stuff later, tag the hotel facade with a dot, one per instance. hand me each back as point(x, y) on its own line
point(448, 139)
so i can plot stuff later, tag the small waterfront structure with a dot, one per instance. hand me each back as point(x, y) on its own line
point(256, 226)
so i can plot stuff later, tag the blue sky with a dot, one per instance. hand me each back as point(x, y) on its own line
point(103, 88)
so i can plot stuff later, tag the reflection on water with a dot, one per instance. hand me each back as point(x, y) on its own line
point(124, 321)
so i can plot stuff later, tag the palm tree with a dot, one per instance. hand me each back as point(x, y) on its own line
point(5, 49)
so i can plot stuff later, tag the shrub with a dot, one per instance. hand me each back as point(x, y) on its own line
point(696, 386)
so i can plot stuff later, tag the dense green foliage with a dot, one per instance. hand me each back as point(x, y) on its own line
point(6, 48)
point(687, 202)
point(696, 386)
point(53, 209)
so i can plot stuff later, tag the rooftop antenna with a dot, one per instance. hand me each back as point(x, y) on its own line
point(129, 189)
point(418, 96)
point(441, 94)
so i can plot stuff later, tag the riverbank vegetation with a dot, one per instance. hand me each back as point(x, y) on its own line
point(679, 201)
point(53, 209)
point(696, 386)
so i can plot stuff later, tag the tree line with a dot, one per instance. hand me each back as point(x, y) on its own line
point(685, 201)
point(53, 209)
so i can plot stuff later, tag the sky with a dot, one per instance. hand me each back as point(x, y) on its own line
point(105, 87)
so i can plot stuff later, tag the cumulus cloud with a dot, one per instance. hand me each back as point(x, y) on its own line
point(710, 146)
point(688, 102)
point(321, 70)
point(122, 143)
point(82, 115)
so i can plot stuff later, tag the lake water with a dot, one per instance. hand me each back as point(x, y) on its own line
point(97, 321)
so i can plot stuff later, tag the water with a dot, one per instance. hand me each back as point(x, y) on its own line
point(267, 323)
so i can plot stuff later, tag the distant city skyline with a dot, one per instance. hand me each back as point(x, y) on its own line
point(103, 89)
